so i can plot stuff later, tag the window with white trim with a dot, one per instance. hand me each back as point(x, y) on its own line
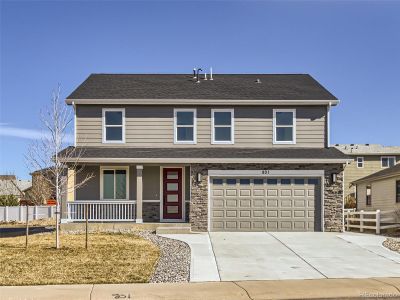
point(360, 162)
point(114, 184)
point(284, 123)
point(368, 195)
point(222, 129)
point(388, 161)
point(113, 125)
point(185, 126)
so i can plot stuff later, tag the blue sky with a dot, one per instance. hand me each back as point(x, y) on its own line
point(351, 47)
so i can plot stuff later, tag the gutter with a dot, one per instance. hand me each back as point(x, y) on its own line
point(229, 102)
point(211, 160)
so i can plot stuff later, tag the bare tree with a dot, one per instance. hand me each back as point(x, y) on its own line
point(52, 155)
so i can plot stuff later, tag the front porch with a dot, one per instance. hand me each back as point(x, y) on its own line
point(129, 193)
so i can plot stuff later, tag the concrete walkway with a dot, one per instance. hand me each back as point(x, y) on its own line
point(239, 256)
point(241, 290)
point(203, 266)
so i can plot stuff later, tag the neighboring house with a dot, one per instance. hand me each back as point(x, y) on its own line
point(380, 190)
point(236, 153)
point(368, 159)
point(42, 191)
point(10, 185)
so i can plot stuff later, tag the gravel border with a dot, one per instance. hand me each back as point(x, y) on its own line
point(174, 262)
point(392, 244)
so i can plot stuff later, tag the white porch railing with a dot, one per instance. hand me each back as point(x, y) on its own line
point(101, 210)
point(374, 220)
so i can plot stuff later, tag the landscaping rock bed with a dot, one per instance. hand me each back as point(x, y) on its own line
point(174, 262)
point(392, 244)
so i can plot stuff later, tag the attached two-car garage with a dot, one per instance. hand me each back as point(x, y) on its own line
point(244, 203)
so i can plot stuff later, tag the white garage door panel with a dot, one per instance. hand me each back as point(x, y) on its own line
point(263, 207)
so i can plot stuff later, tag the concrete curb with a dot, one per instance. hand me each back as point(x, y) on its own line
point(241, 290)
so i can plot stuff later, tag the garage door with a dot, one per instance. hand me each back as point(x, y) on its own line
point(265, 204)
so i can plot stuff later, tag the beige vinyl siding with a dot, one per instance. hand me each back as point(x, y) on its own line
point(383, 195)
point(153, 126)
point(372, 164)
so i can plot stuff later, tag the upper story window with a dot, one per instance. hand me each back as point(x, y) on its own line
point(398, 191)
point(113, 125)
point(185, 126)
point(368, 198)
point(284, 123)
point(360, 162)
point(222, 128)
point(388, 161)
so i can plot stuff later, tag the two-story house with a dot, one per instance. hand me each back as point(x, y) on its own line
point(367, 160)
point(235, 152)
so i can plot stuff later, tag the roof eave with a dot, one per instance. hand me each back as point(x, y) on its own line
point(71, 101)
point(370, 179)
point(210, 160)
point(370, 154)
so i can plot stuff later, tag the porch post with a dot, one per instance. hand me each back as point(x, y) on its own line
point(139, 194)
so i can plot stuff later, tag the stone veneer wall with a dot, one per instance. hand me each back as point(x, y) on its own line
point(151, 212)
point(333, 192)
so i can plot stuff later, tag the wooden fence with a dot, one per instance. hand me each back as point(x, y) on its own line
point(372, 220)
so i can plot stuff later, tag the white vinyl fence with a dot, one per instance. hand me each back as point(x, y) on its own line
point(372, 220)
point(18, 213)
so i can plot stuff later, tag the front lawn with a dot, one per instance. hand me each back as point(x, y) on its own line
point(111, 258)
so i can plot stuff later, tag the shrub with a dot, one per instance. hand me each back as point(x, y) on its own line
point(9, 200)
point(350, 202)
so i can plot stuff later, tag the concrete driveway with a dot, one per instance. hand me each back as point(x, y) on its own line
point(286, 255)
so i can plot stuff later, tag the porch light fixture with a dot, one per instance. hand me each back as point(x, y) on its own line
point(334, 177)
point(198, 177)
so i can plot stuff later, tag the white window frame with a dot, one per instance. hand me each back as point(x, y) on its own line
point(114, 168)
point(361, 161)
point(232, 126)
point(176, 110)
point(293, 141)
point(388, 157)
point(105, 141)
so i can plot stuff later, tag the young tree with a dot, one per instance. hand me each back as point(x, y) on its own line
point(49, 154)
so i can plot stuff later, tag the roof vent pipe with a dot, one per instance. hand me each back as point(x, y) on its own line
point(211, 78)
point(198, 77)
point(205, 76)
point(194, 72)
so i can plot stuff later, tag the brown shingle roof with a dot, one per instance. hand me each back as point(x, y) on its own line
point(389, 172)
point(183, 86)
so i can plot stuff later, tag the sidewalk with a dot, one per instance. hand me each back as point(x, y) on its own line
point(241, 290)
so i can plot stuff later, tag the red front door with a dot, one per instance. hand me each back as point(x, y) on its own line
point(172, 193)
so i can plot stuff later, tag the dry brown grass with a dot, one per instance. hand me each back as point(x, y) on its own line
point(39, 222)
point(111, 258)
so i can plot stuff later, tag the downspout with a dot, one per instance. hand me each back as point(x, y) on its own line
point(73, 105)
point(328, 121)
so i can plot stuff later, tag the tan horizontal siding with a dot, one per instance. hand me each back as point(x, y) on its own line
point(372, 164)
point(153, 127)
point(383, 195)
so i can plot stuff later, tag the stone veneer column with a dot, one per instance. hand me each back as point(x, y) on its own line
point(198, 216)
point(139, 194)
